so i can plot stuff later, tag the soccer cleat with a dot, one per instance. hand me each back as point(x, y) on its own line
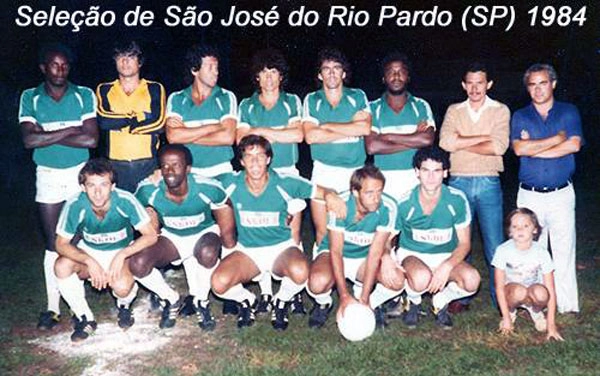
point(124, 318)
point(188, 308)
point(410, 317)
point(442, 318)
point(456, 307)
point(155, 305)
point(279, 316)
point(297, 305)
point(380, 322)
point(48, 320)
point(206, 321)
point(245, 315)
point(264, 305)
point(395, 307)
point(83, 329)
point(230, 307)
point(169, 314)
point(318, 315)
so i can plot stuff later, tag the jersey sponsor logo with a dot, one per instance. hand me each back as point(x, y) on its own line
point(183, 222)
point(347, 140)
point(435, 236)
point(359, 238)
point(58, 125)
point(259, 219)
point(105, 238)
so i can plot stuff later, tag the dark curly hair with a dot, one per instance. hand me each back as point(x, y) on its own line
point(269, 58)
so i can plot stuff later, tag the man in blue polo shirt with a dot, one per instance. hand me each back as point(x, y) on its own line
point(546, 135)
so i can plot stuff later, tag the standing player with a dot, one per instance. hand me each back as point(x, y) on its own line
point(106, 216)
point(402, 124)
point(262, 202)
point(434, 221)
point(335, 120)
point(475, 132)
point(203, 116)
point(184, 204)
point(546, 135)
point(356, 245)
point(276, 115)
point(58, 121)
point(132, 112)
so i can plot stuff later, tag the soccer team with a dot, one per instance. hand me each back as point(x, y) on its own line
point(392, 228)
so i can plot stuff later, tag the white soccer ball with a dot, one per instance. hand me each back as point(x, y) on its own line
point(357, 323)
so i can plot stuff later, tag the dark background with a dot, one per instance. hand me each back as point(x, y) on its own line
point(439, 56)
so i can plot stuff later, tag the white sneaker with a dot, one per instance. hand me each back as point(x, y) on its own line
point(538, 318)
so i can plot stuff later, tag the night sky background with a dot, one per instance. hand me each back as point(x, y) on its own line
point(439, 56)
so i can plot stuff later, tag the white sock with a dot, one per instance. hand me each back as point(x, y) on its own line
point(72, 290)
point(382, 294)
point(52, 292)
point(357, 290)
point(198, 278)
point(288, 289)
point(266, 285)
point(451, 292)
point(413, 296)
point(156, 283)
point(238, 293)
point(321, 299)
point(126, 301)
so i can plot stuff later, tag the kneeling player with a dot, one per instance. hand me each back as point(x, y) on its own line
point(105, 216)
point(186, 205)
point(433, 220)
point(355, 249)
point(261, 200)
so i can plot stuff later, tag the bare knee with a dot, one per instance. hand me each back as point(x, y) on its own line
point(319, 282)
point(419, 279)
point(298, 271)
point(516, 293)
point(122, 287)
point(64, 267)
point(140, 265)
point(220, 281)
point(539, 295)
point(470, 279)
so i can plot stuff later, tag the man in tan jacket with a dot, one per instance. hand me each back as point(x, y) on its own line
point(475, 132)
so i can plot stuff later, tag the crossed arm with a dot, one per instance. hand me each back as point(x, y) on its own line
point(215, 134)
point(84, 136)
point(358, 126)
point(388, 143)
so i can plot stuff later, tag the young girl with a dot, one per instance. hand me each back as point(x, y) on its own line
point(524, 275)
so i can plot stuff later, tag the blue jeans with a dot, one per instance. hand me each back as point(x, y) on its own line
point(484, 194)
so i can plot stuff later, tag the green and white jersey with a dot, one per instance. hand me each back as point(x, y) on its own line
point(261, 220)
point(220, 105)
point(287, 110)
point(194, 213)
point(346, 152)
point(434, 233)
point(114, 231)
point(385, 120)
point(77, 104)
point(358, 236)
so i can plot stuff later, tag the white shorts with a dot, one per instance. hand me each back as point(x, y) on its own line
point(185, 244)
point(351, 266)
point(212, 171)
point(55, 185)
point(264, 257)
point(290, 170)
point(332, 177)
point(432, 260)
point(104, 258)
point(398, 182)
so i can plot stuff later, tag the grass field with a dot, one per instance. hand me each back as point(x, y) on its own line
point(472, 347)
